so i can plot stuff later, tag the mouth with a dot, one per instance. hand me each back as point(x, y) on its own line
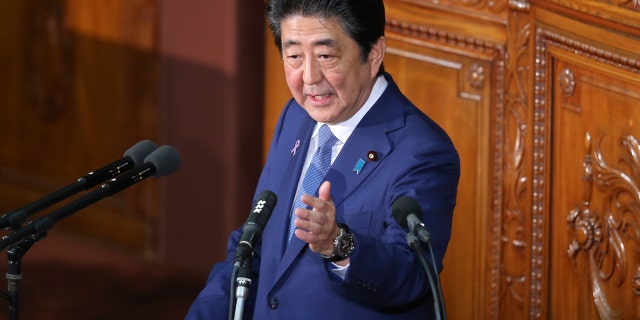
point(319, 99)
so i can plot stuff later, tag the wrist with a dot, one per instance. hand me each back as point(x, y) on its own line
point(343, 245)
point(330, 247)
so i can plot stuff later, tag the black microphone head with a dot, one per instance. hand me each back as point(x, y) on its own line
point(403, 207)
point(266, 202)
point(165, 159)
point(139, 151)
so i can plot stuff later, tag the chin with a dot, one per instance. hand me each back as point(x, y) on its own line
point(321, 119)
point(320, 116)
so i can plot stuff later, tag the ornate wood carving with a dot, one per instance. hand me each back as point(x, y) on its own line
point(567, 82)
point(552, 38)
point(439, 36)
point(495, 6)
point(515, 239)
point(631, 4)
point(476, 76)
point(498, 196)
point(608, 231)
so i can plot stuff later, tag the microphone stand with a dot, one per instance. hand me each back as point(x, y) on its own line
point(242, 291)
point(436, 292)
point(14, 272)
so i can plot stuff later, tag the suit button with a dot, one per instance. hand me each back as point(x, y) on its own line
point(274, 303)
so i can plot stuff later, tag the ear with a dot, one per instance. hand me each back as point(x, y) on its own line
point(376, 55)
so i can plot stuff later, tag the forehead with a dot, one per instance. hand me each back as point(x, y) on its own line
point(298, 30)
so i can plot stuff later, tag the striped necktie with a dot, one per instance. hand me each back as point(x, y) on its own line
point(316, 171)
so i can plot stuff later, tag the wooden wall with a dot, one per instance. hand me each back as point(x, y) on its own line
point(82, 81)
point(541, 99)
point(539, 96)
point(79, 87)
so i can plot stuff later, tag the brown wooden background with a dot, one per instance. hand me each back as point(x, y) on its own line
point(82, 81)
point(540, 98)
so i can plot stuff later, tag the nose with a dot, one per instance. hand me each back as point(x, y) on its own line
point(312, 73)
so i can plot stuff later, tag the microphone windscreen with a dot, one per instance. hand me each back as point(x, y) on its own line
point(403, 207)
point(139, 151)
point(270, 201)
point(165, 159)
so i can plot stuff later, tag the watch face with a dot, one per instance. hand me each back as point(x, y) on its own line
point(345, 245)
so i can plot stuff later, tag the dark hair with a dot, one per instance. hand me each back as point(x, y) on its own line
point(362, 20)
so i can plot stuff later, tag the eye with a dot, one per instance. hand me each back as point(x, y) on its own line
point(327, 60)
point(294, 60)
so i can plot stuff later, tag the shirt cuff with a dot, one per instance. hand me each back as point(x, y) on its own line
point(340, 271)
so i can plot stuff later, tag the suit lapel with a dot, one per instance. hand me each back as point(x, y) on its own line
point(290, 179)
point(353, 165)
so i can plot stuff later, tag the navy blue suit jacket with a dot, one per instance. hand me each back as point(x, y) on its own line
point(415, 158)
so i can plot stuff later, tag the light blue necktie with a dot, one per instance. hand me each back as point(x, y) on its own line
point(316, 171)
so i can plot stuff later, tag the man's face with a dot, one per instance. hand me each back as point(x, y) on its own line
point(324, 69)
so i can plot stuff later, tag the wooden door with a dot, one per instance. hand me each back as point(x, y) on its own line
point(588, 84)
point(595, 190)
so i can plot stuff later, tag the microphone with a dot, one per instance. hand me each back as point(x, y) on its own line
point(406, 211)
point(132, 157)
point(255, 224)
point(163, 161)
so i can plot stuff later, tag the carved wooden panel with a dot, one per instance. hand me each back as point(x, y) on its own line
point(521, 282)
point(594, 212)
point(79, 87)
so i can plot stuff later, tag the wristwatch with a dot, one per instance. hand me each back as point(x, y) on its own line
point(343, 245)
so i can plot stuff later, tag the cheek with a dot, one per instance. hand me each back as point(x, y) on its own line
point(294, 80)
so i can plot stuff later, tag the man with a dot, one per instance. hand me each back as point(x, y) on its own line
point(347, 258)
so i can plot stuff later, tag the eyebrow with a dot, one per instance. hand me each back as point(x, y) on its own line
point(331, 43)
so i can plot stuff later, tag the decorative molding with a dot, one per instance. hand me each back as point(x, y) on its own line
point(635, 283)
point(515, 282)
point(476, 76)
point(521, 5)
point(567, 82)
point(439, 36)
point(631, 4)
point(495, 6)
point(598, 54)
point(498, 197)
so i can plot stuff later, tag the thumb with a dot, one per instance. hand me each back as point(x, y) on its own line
point(324, 192)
